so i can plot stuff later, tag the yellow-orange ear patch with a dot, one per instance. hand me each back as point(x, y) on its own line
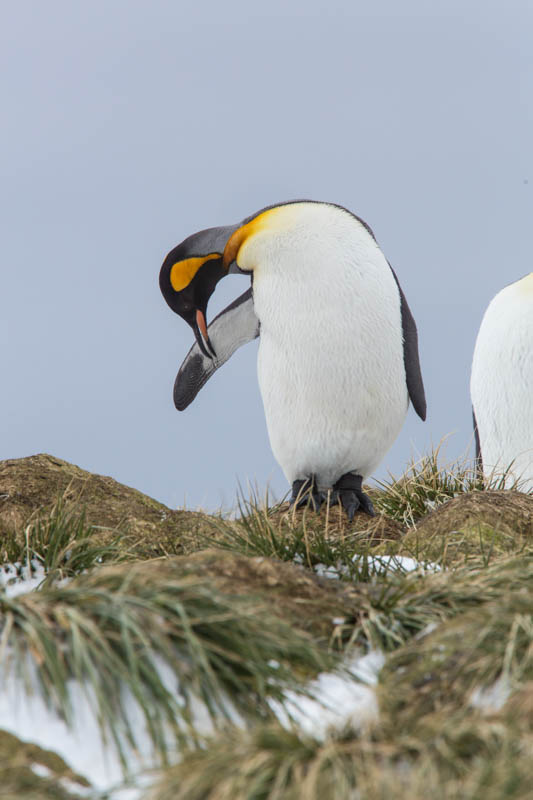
point(182, 272)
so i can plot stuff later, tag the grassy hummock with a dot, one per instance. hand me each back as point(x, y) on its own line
point(177, 611)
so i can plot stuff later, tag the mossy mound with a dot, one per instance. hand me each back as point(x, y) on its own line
point(473, 524)
point(31, 487)
point(27, 771)
point(292, 592)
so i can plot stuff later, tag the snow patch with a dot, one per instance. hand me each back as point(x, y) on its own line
point(82, 744)
point(378, 565)
point(398, 563)
point(26, 714)
point(18, 578)
point(490, 699)
point(345, 698)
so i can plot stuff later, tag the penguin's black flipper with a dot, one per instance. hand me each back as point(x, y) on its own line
point(479, 458)
point(233, 327)
point(413, 373)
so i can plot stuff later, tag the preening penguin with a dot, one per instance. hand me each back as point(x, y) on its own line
point(338, 352)
point(501, 386)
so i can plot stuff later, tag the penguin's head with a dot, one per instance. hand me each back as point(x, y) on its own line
point(188, 278)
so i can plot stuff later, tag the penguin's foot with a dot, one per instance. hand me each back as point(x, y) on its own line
point(306, 493)
point(351, 495)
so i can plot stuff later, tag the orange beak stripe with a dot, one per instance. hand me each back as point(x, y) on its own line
point(200, 321)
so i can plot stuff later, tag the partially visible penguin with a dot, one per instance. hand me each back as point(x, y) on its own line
point(501, 386)
point(338, 353)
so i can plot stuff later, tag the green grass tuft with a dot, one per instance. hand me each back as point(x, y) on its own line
point(64, 544)
point(430, 481)
point(426, 483)
point(260, 530)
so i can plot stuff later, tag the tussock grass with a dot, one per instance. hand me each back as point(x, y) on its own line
point(112, 630)
point(430, 740)
point(235, 631)
point(426, 483)
point(472, 529)
point(260, 530)
point(493, 641)
point(466, 533)
point(269, 763)
point(432, 480)
point(63, 544)
point(492, 761)
point(479, 522)
point(403, 606)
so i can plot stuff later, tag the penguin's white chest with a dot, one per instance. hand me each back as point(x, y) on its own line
point(330, 363)
point(502, 385)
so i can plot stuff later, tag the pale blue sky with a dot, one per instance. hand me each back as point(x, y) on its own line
point(128, 125)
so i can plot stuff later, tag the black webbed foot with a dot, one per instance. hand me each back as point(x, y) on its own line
point(351, 495)
point(305, 492)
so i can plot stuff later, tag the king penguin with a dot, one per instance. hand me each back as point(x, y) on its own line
point(338, 346)
point(501, 387)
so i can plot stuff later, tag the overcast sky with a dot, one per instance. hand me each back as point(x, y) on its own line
point(128, 125)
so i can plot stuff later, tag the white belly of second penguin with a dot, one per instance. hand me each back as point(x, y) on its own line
point(331, 364)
